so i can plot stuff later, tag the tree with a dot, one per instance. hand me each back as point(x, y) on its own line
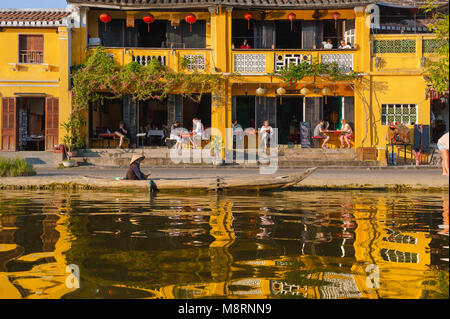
point(436, 70)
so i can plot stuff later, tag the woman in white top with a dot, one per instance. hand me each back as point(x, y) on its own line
point(266, 132)
point(346, 133)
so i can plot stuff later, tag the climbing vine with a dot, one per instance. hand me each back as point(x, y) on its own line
point(329, 71)
point(100, 75)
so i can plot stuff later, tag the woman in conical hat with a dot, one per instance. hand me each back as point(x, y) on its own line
point(134, 170)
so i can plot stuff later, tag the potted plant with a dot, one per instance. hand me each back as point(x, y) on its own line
point(73, 140)
point(216, 148)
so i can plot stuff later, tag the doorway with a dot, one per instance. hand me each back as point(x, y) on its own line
point(332, 112)
point(31, 124)
point(289, 116)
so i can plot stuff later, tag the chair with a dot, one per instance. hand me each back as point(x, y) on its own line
point(316, 140)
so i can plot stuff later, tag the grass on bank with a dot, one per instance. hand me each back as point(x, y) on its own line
point(15, 167)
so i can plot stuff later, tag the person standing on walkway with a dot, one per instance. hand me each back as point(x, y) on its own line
point(134, 170)
point(442, 145)
point(197, 129)
point(347, 133)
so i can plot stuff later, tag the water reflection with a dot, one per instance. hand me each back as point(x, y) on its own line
point(283, 245)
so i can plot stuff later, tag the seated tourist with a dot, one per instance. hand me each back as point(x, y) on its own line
point(319, 131)
point(266, 132)
point(121, 132)
point(342, 45)
point(245, 45)
point(328, 45)
point(175, 134)
point(134, 170)
point(237, 132)
point(197, 129)
point(347, 133)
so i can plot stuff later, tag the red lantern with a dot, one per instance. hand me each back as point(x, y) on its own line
point(336, 15)
point(148, 19)
point(190, 18)
point(248, 16)
point(291, 17)
point(105, 18)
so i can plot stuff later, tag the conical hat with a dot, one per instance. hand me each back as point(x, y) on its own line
point(135, 158)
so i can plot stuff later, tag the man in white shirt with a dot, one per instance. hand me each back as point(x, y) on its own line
point(237, 132)
point(328, 45)
point(266, 132)
point(197, 129)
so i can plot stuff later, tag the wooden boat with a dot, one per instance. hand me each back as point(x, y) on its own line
point(260, 182)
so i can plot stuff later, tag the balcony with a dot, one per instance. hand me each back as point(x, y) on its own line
point(264, 61)
point(401, 52)
point(31, 57)
point(195, 59)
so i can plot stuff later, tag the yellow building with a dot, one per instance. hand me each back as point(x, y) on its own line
point(388, 52)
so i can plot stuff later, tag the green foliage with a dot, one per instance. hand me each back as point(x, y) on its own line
point(15, 167)
point(436, 72)
point(74, 126)
point(153, 81)
point(333, 72)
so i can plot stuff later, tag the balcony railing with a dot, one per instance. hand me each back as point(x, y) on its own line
point(263, 62)
point(194, 59)
point(31, 57)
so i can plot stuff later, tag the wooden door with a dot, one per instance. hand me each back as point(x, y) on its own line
point(51, 123)
point(9, 124)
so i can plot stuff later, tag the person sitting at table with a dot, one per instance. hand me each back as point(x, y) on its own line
point(318, 132)
point(245, 45)
point(266, 132)
point(328, 45)
point(237, 133)
point(347, 133)
point(344, 45)
point(175, 132)
point(121, 132)
point(197, 129)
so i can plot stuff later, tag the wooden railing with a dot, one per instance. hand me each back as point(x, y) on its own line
point(31, 57)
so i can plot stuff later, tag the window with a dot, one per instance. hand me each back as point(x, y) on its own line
point(31, 49)
point(349, 32)
point(401, 113)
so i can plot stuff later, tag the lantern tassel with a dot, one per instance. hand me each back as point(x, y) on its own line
point(148, 27)
point(105, 27)
point(190, 27)
point(291, 25)
point(248, 24)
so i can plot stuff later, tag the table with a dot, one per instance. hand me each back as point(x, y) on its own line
point(155, 133)
point(107, 137)
point(38, 139)
point(405, 146)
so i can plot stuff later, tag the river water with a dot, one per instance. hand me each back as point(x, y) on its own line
point(291, 244)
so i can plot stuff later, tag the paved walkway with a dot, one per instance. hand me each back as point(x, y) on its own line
point(322, 178)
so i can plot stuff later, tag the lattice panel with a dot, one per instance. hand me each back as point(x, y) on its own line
point(429, 45)
point(250, 63)
point(401, 113)
point(195, 61)
point(345, 60)
point(145, 59)
point(394, 46)
point(284, 60)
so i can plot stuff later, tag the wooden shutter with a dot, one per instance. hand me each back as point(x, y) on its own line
point(313, 112)
point(349, 110)
point(51, 123)
point(308, 34)
point(114, 34)
point(195, 39)
point(268, 34)
point(9, 124)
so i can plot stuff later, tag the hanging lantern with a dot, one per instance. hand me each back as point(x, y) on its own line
point(248, 16)
point(260, 92)
point(326, 91)
point(280, 92)
point(304, 91)
point(148, 19)
point(190, 18)
point(105, 18)
point(291, 17)
point(336, 16)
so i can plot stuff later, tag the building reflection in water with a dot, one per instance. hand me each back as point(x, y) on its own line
point(285, 246)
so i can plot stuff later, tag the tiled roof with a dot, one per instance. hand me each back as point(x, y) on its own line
point(33, 17)
point(315, 4)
